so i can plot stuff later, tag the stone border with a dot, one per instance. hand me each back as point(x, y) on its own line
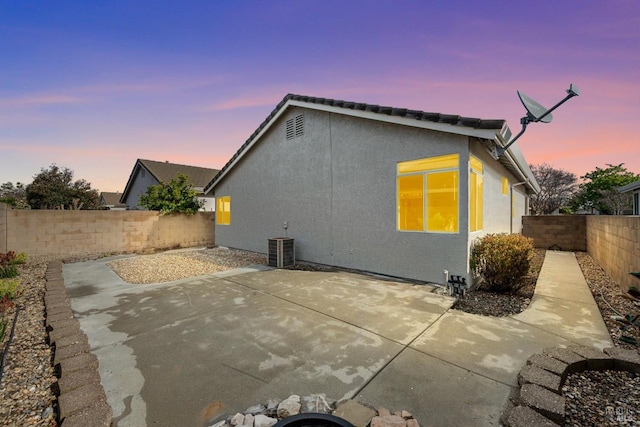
point(82, 401)
point(539, 401)
point(353, 412)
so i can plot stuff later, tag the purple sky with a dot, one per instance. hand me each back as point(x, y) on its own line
point(95, 85)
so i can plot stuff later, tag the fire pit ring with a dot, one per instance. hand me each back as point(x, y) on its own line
point(313, 420)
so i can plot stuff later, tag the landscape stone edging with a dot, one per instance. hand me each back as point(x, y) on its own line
point(539, 401)
point(81, 397)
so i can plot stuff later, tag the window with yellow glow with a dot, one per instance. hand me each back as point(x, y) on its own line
point(223, 210)
point(505, 186)
point(476, 197)
point(428, 192)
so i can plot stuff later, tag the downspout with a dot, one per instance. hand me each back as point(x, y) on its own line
point(511, 200)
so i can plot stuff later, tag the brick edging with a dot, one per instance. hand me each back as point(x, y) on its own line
point(539, 401)
point(82, 401)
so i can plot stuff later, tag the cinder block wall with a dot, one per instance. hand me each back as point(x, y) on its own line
point(568, 232)
point(614, 242)
point(43, 232)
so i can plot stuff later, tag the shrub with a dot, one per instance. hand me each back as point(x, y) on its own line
point(20, 258)
point(8, 271)
point(502, 261)
point(9, 288)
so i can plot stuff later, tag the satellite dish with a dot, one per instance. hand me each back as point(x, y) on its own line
point(534, 110)
point(535, 113)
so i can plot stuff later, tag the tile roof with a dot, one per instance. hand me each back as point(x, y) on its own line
point(497, 125)
point(165, 172)
point(111, 199)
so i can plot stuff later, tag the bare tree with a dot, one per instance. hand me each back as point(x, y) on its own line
point(557, 186)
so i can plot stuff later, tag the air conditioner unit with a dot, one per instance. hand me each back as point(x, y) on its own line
point(282, 252)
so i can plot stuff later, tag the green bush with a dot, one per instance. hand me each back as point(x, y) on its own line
point(20, 258)
point(8, 271)
point(9, 287)
point(502, 261)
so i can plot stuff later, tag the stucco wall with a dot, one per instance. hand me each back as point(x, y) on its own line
point(39, 232)
point(139, 187)
point(336, 189)
point(566, 232)
point(614, 242)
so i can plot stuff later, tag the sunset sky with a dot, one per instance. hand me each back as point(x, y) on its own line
point(94, 85)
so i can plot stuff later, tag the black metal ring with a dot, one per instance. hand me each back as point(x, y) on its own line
point(313, 419)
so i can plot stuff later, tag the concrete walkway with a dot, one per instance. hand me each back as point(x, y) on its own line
point(171, 353)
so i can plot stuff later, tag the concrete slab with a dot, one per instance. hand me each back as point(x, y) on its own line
point(395, 310)
point(496, 348)
point(578, 322)
point(245, 356)
point(562, 278)
point(185, 352)
point(563, 303)
point(171, 353)
point(436, 392)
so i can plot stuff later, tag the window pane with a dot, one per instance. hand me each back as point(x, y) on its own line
point(411, 203)
point(476, 165)
point(432, 163)
point(223, 210)
point(442, 201)
point(475, 202)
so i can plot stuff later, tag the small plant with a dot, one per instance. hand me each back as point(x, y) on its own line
point(10, 288)
point(8, 271)
point(502, 261)
point(20, 258)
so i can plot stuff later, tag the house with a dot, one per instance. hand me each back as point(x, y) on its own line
point(111, 201)
point(633, 188)
point(387, 190)
point(150, 172)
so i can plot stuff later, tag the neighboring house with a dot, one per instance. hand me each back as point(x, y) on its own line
point(111, 201)
point(149, 172)
point(387, 190)
point(633, 188)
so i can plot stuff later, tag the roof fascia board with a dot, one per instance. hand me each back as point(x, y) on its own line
point(381, 117)
point(515, 157)
point(127, 188)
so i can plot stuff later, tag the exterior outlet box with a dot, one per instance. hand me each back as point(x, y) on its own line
point(282, 252)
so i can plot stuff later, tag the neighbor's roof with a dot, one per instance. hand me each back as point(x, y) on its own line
point(165, 172)
point(629, 187)
point(495, 131)
point(111, 199)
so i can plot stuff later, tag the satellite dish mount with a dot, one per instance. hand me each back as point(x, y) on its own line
point(536, 113)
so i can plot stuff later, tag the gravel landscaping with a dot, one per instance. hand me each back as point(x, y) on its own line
point(487, 303)
point(27, 390)
point(181, 264)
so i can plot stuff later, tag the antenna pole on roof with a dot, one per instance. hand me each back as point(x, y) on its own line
point(536, 113)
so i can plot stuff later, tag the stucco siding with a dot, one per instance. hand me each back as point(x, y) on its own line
point(336, 188)
point(138, 188)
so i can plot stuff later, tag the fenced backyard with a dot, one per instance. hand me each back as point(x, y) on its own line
point(613, 241)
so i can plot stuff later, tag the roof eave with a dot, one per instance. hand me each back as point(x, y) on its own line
point(481, 133)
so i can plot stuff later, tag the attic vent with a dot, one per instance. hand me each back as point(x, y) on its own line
point(295, 126)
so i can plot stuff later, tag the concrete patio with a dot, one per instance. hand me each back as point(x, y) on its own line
point(169, 353)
